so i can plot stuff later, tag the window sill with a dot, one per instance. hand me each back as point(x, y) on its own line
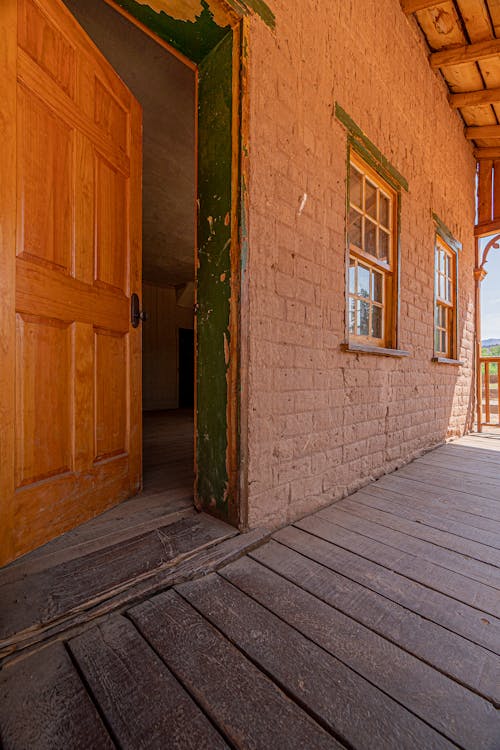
point(367, 349)
point(445, 361)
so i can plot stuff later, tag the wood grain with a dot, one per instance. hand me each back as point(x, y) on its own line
point(383, 578)
point(308, 673)
point(78, 252)
point(73, 586)
point(143, 703)
point(243, 703)
point(8, 202)
point(451, 709)
point(434, 576)
point(373, 526)
point(470, 665)
point(44, 705)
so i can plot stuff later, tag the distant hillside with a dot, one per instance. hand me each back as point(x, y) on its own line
point(490, 342)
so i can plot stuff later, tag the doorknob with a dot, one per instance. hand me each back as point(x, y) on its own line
point(136, 314)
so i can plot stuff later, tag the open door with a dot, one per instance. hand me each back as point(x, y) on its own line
point(70, 255)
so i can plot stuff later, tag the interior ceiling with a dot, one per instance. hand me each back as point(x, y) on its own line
point(464, 39)
point(166, 89)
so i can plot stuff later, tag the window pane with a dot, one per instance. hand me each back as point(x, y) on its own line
point(437, 340)
point(443, 341)
point(442, 289)
point(352, 316)
point(370, 237)
point(384, 210)
point(356, 187)
point(377, 291)
point(448, 295)
point(363, 318)
point(444, 317)
point(383, 245)
point(371, 199)
point(352, 276)
point(377, 322)
point(441, 260)
point(355, 228)
point(363, 282)
point(437, 315)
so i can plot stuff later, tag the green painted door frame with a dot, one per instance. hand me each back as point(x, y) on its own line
point(213, 41)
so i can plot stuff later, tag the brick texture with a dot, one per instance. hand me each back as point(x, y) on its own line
point(322, 422)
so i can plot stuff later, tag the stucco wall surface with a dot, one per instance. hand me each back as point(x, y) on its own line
point(322, 422)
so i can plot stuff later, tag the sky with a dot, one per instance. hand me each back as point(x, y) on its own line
point(490, 298)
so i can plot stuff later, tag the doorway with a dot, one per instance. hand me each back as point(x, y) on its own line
point(165, 86)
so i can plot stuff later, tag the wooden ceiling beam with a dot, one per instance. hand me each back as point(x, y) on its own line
point(468, 53)
point(482, 131)
point(475, 98)
point(487, 228)
point(413, 6)
point(488, 152)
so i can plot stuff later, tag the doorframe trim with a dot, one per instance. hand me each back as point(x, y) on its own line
point(237, 371)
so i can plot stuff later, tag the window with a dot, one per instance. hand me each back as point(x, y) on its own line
point(445, 314)
point(372, 232)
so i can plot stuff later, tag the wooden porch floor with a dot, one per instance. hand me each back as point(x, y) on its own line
point(374, 623)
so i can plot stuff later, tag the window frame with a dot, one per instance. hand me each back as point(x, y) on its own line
point(388, 342)
point(441, 303)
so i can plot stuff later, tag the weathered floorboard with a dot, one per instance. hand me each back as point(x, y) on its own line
point(451, 709)
point(439, 608)
point(314, 678)
point(487, 489)
point(469, 664)
point(430, 495)
point(241, 701)
point(445, 539)
point(44, 706)
point(434, 576)
point(434, 518)
point(143, 703)
point(51, 594)
point(369, 524)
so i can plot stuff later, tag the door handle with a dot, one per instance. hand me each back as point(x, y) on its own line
point(136, 314)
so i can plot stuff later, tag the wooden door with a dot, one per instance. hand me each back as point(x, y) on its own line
point(70, 245)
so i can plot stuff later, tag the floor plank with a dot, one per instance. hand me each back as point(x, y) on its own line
point(370, 525)
point(476, 626)
point(444, 539)
point(469, 664)
point(51, 594)
point(45, 706)
point(464, 465)
point(450, 708)
point(434, 576)
point(313, 677)
point(242, 702)
point(434, 518)
point(144, 704)
point(426, 493)
point(488, 490)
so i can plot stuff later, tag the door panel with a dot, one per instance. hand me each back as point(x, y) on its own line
point(76, 421)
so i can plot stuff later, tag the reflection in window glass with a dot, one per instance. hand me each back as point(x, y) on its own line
point(371, 272)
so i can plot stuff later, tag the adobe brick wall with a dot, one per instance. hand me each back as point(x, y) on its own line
point(322, 422)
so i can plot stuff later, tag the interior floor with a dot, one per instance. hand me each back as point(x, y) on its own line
point(168, 456)
point(167, 495)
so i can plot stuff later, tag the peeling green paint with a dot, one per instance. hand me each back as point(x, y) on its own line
point(362, 144)
point(445, 234)
point(195, 39)
point(257, 6)
point(214, 274)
